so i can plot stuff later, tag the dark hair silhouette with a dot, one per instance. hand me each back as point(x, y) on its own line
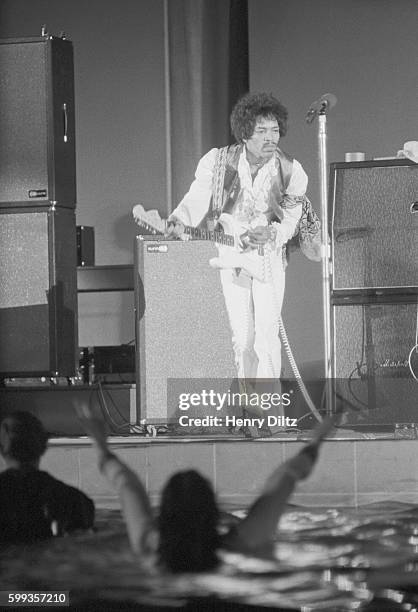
point(249, 107)
point(24, 437)
point(187, 524)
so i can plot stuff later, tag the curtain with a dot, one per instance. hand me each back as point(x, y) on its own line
point(207, 43)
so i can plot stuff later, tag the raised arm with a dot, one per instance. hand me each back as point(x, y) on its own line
point(136, 507)
point(195, 203)
point(256, 532)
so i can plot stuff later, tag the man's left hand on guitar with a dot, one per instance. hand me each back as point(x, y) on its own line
point(175, 229)
point(259, 235)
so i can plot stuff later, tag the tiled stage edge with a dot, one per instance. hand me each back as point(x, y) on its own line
point(348, 473)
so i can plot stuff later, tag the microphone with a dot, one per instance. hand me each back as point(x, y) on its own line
point(352, 233)
point(319, 107)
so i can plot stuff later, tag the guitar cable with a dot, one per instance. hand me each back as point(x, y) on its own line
point(269, 277)
point(414, 348)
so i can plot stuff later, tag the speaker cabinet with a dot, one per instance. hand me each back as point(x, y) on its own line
point(376, 359)
point(374, 225)
point(38, 292)
point(183, 334)
point(37, 132)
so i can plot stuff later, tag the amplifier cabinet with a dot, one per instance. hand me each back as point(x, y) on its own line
point(38, 292)
point(374, 225)
point(182, 328)
point(374, 359)
point(37, 129)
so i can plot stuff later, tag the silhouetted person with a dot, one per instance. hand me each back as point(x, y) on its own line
point(33, 504)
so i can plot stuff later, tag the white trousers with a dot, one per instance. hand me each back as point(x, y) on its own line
point(253, 309)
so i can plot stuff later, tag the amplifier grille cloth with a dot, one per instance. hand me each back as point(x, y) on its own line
point(184, 331)
point(24, 272)
point(375, 234)
point(386, 333)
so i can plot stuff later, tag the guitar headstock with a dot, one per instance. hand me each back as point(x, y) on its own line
point(149, 221)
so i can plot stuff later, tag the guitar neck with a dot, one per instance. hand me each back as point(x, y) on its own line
point(212, 236)
point(159, 226)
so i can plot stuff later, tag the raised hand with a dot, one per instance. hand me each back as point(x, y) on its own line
point(95, 428)
point(301, 465)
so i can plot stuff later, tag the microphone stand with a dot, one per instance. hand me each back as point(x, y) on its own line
point(319, 108)
point(326, 257)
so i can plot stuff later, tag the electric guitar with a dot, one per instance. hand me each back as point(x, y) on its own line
point(233, 253)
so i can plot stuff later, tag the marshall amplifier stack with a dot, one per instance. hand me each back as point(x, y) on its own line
point(38, 284)
point(374, 290)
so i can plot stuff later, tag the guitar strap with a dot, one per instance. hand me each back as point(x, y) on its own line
point(286, 168)
point(218, 186)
